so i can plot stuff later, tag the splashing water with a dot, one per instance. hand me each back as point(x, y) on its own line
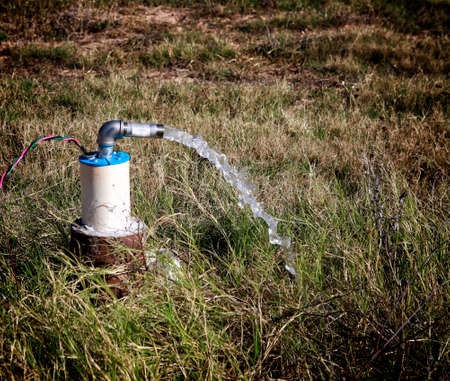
point(237, 179)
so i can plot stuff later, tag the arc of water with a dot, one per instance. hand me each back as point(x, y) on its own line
point(239, 180)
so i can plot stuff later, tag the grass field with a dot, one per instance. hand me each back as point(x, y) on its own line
point(339, 112)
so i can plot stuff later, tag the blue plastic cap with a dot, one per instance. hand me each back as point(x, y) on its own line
point(94, 160)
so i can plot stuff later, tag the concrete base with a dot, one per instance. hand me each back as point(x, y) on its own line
point(122, 251)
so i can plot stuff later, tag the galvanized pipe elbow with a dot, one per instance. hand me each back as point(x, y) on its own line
point(117, 129)
point(109, 132)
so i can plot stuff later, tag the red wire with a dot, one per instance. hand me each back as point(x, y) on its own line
point(2, 178)
point(25, 151)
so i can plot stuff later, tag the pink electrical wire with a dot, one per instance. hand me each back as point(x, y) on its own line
point(2, 178)
point(34, 144)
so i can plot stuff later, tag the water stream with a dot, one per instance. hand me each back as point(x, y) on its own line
point(238, 180)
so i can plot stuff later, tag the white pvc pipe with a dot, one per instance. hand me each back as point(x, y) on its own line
point(105, 196)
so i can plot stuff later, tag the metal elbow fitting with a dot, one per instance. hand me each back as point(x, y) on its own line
point(109, 132)
point(117, 129)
